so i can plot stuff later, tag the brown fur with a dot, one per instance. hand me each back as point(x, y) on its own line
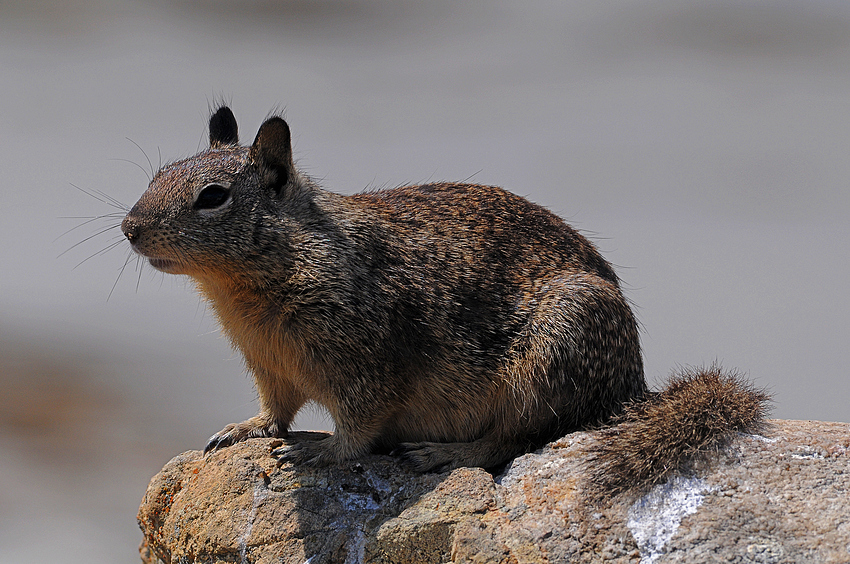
point(460, 322)
point(652, 438)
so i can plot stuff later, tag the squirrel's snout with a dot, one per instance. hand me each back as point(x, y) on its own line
point(130, 229)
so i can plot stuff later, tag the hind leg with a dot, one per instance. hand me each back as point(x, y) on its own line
point(574, 364)
point(577, 360)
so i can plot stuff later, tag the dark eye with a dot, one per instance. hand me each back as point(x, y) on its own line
point(212, 196)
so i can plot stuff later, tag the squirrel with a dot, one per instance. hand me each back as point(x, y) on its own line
point(452, 324)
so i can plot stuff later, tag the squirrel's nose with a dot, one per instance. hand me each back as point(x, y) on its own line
point(130, 229)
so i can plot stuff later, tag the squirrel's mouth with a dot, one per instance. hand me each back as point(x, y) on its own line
point(164, 264)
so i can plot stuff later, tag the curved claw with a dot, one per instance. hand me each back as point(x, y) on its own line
point(284, 452)
point(218, 441)
point(259, 426)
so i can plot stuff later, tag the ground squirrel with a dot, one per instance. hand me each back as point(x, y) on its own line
point(458, 324)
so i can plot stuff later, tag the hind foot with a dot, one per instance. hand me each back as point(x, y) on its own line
point(441, 457)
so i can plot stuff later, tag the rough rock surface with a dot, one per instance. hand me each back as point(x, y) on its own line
point(781, 498)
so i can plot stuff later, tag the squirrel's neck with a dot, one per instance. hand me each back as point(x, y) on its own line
point(237, 304)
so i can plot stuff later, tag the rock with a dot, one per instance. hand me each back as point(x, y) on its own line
point(782, 498)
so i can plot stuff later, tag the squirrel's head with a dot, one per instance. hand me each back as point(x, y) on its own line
point(201, 213)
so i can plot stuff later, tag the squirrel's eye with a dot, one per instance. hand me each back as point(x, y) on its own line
point(212, 196)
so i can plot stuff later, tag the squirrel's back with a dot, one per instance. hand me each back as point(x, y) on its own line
point(490, 225)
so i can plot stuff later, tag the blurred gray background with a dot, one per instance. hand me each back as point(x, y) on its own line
point(702, 145)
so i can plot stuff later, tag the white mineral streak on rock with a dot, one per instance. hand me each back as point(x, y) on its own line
point(260, 493)
point(654, 518)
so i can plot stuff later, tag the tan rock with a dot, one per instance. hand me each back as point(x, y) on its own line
point(782, 498)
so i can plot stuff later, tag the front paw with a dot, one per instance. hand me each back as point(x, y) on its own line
point(313, 452)
point(256, 427)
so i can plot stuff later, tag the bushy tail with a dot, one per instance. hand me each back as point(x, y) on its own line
point(698, 412)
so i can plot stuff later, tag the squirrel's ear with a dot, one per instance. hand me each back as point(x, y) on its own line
point(272, 149)
point(223, 130)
